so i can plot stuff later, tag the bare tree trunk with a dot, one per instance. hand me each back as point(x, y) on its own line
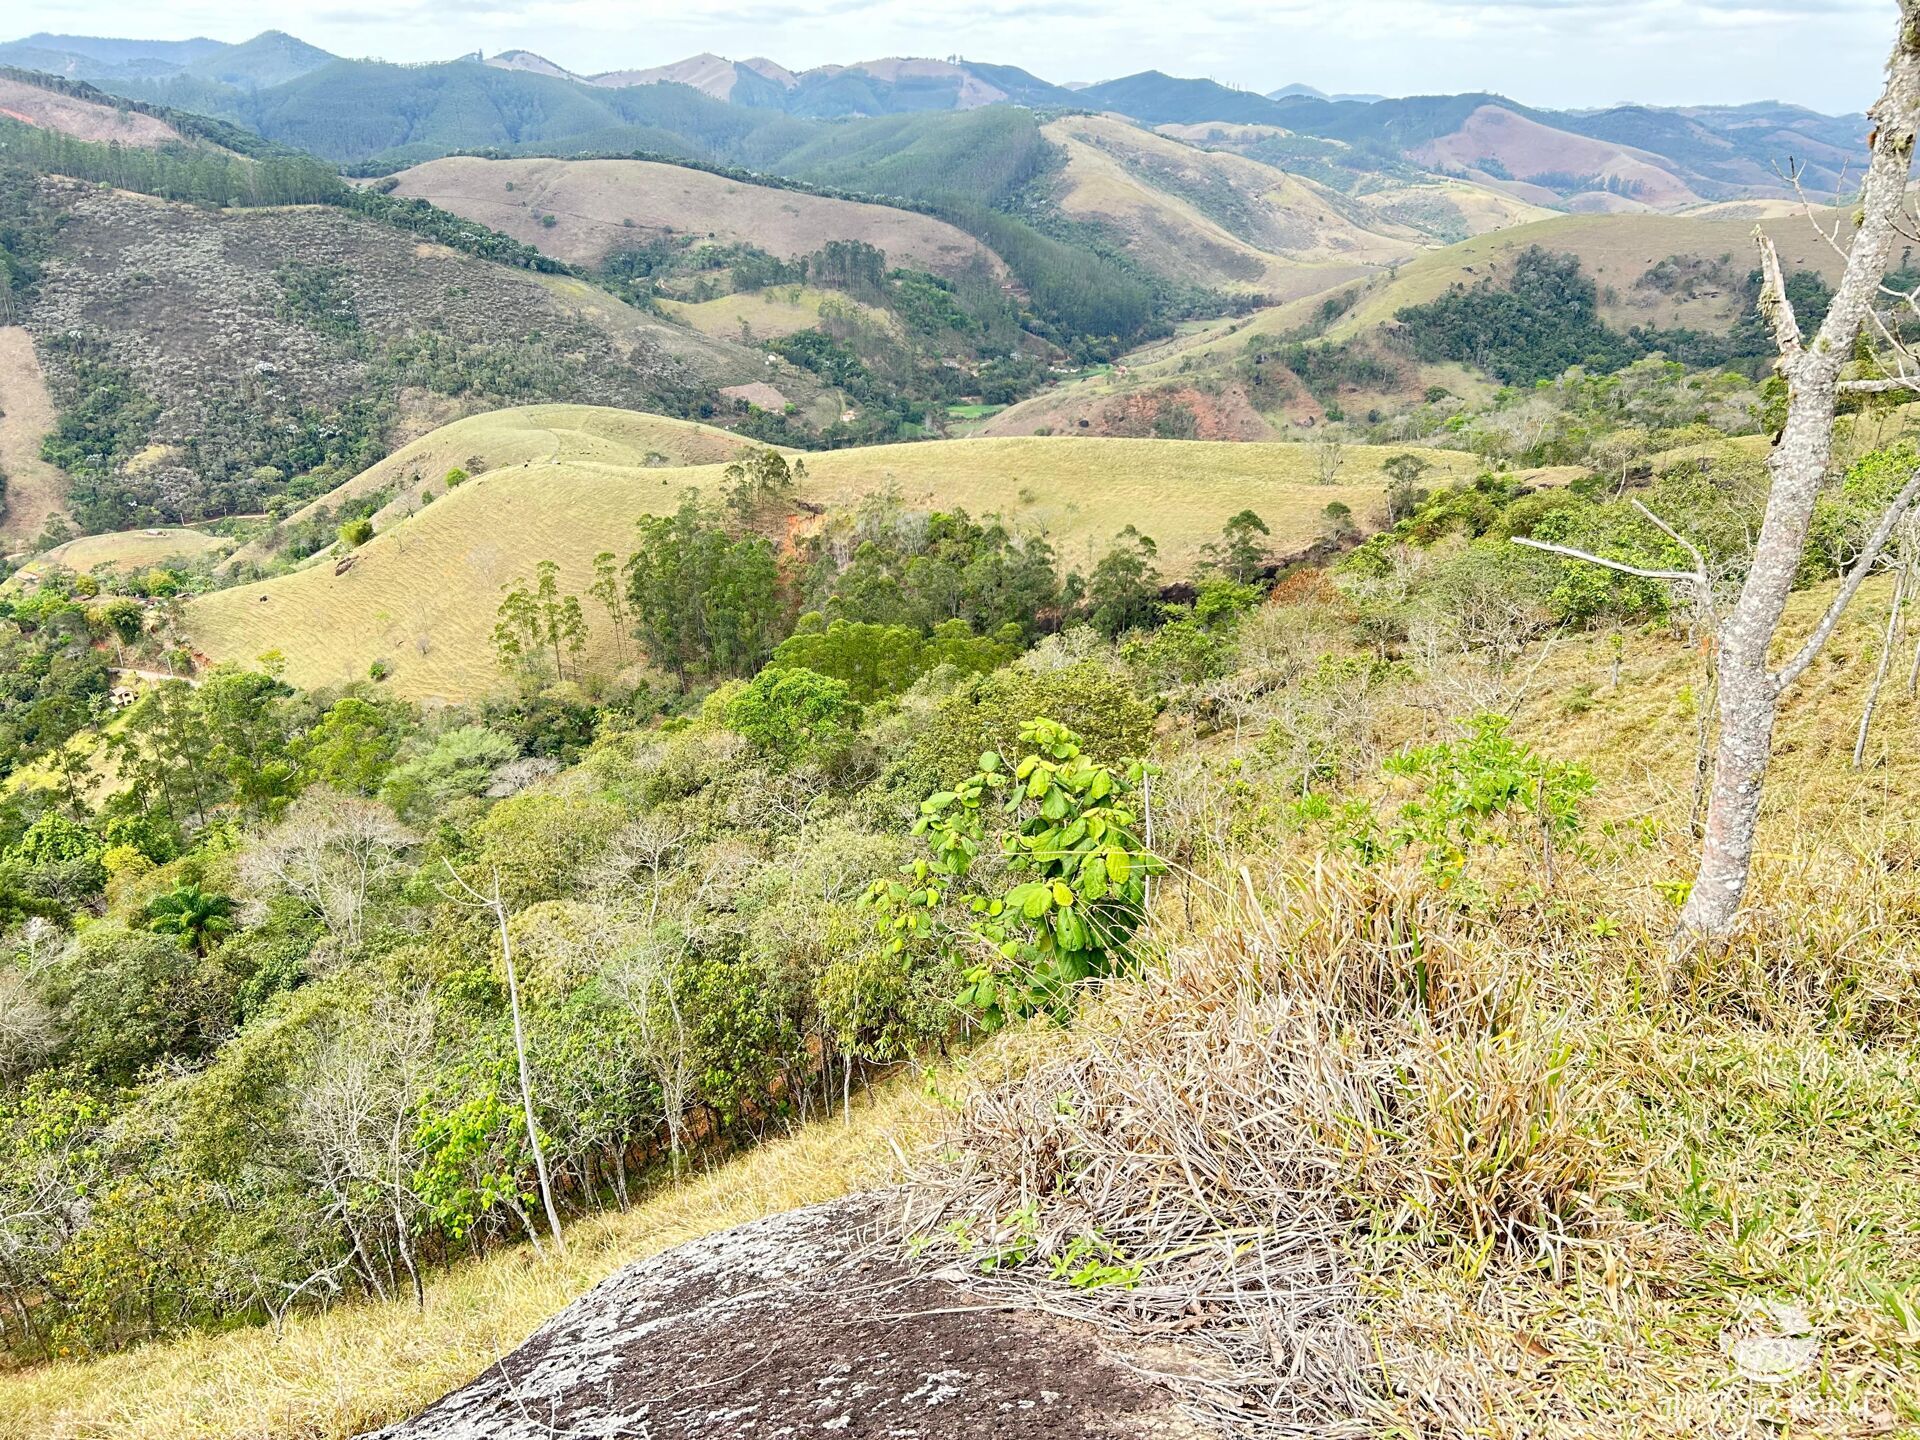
point(526, 1074)
point(1887, 642)
point(498, 907)
point(1750, 689)
point(1703, 738)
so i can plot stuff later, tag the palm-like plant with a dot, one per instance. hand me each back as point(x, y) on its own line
point(190, 913)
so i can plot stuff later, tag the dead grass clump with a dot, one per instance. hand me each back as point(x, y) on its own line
point(1348, 1073)
point(1838, 943)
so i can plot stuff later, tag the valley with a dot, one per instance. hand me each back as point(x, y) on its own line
point(929, 747)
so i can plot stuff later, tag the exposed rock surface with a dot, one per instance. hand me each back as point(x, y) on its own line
point(805, 1324)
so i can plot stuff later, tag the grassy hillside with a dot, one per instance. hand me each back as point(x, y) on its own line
point(82, 118)
point(124, 550)
point(1440, 209)
point(1659, 271)
point(36, 492)
point(583, 435)
point(1495, 143)
point(766, 314)
point(1718, 1138)
point(1618, 252)
point(599, 206)
point(1212, 219)
point(422, 595)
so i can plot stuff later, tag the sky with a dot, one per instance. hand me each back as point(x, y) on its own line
point(1554, 53)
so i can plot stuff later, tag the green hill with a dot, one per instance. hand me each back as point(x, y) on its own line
point(421, 594)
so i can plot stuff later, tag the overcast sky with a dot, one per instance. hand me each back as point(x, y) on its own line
point(1567, 53)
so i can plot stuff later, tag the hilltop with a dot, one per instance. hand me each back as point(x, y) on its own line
point(421, 595)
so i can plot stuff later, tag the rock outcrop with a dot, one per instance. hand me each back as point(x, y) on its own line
point(805, 1324)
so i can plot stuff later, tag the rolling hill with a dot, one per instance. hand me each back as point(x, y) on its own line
point(1495, 144)
point(422, 594)
point(1661, 272)
point(204, 360)
point(598, 206)
point(755, 112)
point(415, 474)
point(1214, 219)
point(1624, 254)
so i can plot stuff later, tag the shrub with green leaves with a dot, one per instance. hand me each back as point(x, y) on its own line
point(1072, 841)
point(1486, 789)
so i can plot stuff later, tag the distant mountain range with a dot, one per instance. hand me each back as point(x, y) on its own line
point(710, 107)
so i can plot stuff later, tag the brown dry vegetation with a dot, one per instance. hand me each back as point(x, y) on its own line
point(1415, 1158)
point(194, 303)
point(35, 490)
point(600, 206)
point(82, 119)
point(1527, 148)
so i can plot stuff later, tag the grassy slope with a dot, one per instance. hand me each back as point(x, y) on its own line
point(423, 594)
point(35, 490)
point(593, 201)
point(500, 439)
point(1615, 250)
point(83, 119)
point(769, 314)
point(125, 550)
point(1267, 232)
point(1781, 1133)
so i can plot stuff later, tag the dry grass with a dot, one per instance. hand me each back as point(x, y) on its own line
point(423, 594)
point(592, 436)
point(84, 119)
point(334, 1374)
point(123, 550)
point(1338, 1065)
point(1614, 250)
point(766, 314)
point(36, 492)
point(1287, 235)
point(600, 206)
point(1481, 1161)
